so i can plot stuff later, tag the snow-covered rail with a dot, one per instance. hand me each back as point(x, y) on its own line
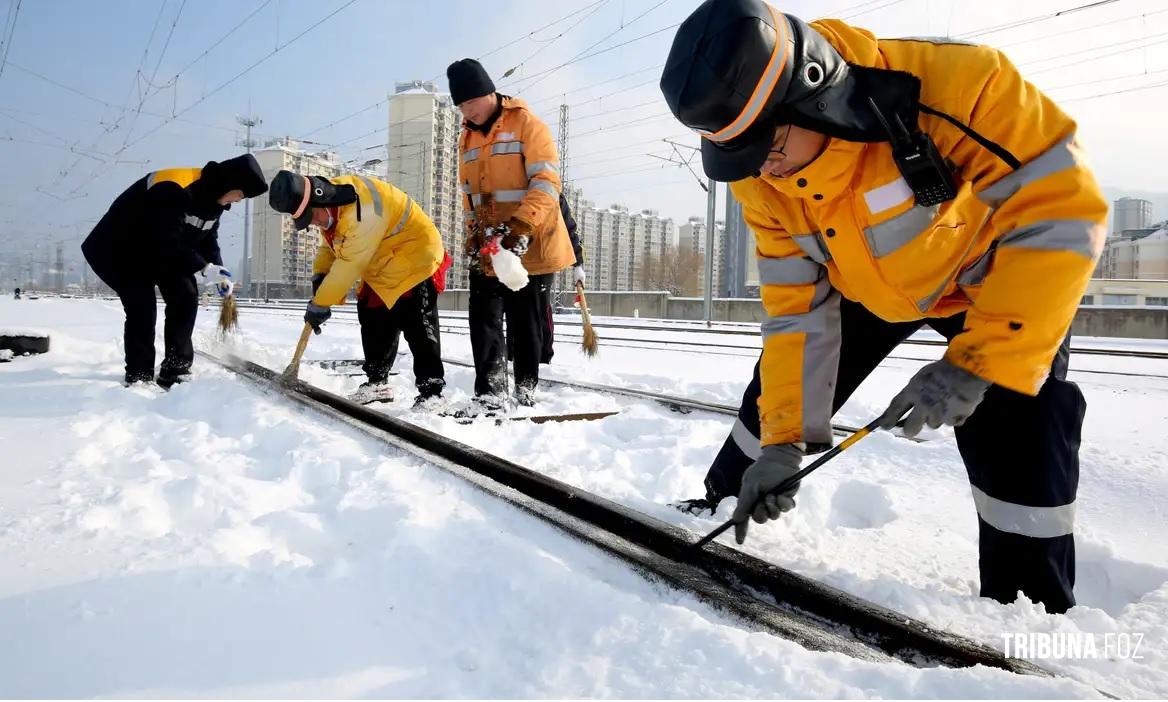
point(763, 595)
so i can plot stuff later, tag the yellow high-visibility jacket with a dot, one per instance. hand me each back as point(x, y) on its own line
point(1014, 250)
point(391, 248)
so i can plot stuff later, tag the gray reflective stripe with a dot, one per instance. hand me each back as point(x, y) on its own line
point(1060, 157)
point(1075, 235)
point(476, 200)
point(1035, 522)
point(788, 271)
point(151, 178)
point(975, 273)
point(890, 235)
point(373, 192)
point(810, 322)
point(470, 155)
point(199, 223)
point(509, 195)
point(401, 223)
point(821, 352)
point(465, 188)
point(747, 443)
point(541, 166)
point(507, 147)
point(545, 186)
point(812, 245)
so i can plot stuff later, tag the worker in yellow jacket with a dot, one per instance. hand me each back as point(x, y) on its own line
point(893, 184)
point(510, 175)
point(373, 233)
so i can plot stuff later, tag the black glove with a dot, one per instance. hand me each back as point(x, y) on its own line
point(316, 281)
point(776, 463)
point(317, 315)
point(940, 393)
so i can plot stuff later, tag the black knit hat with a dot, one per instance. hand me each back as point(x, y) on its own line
point(468, 80)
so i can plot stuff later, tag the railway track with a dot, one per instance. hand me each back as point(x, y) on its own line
point(746, 332)
point(760, 594)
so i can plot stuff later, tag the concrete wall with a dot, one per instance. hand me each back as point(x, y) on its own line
point(1125, 322)
point(1122, 322)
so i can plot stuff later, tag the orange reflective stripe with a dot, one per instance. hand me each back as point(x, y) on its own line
point(762, 91)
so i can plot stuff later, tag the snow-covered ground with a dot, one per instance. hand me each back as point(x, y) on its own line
point(216, 541)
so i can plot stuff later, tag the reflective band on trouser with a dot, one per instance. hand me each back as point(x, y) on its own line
point(470, 155)
point(763, 89)
point(821, 348)
point(890, 235)
point(536, 167)
point(510, 195)
point(748, 443)
point(1063, 155)
point(812, 245)
point(507, 147)
point(401, 223)
point(476, 200)
point(788, 271)
point(374, 193)
point(1035, 522)
point(544, 186)
point(1074, 235)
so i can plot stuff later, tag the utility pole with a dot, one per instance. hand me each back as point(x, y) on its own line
point(562, 147)
point(711, 205)
point(59, 270)
point(711, 188)
point(247, 123)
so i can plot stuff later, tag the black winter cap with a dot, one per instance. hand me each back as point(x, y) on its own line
point(468, 80)
point(239, 173)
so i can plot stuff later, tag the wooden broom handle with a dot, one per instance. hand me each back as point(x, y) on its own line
point(583, 303)
point(301, 345)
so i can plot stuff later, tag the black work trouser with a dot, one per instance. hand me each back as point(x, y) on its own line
point(525, 311)
point(134, 281)
point(1021, 455)
point(416, 316)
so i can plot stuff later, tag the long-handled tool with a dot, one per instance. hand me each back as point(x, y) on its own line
point(292, 372)
point(786, 484)
point(591, 341)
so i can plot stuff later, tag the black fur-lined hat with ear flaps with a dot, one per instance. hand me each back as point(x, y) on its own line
point(294, 194)
point(738, 69)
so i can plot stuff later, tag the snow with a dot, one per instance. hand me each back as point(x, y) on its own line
point(217, 541)
point(24, 331)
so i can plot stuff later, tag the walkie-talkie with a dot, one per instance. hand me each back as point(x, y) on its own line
point(918, 160)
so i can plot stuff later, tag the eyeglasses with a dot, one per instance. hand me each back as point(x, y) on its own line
point(781, 151)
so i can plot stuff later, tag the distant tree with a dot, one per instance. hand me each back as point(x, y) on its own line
point(678, 271)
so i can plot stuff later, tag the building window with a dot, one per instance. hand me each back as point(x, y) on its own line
point(1156, 301)
point(1119, 299)
point(1087, 300)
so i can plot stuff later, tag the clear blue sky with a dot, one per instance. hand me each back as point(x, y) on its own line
point(352, 60)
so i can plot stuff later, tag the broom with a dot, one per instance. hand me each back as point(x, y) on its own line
point(228, 315)
point(292, 372)
point(591, 341)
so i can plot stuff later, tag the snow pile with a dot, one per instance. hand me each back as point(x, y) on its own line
point(218, 541)
point(5, 354)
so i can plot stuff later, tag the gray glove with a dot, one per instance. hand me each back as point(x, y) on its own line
point(776, 463)
point(940, 393)
point(317, 315)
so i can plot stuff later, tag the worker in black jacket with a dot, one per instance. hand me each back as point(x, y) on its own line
point(162, 231)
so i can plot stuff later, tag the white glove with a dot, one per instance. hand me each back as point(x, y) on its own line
point(578, 274)
point(219, 277)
